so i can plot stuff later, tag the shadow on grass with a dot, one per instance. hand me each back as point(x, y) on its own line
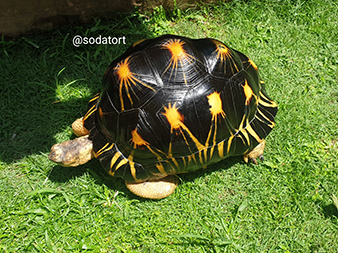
point(330, 211)
point(46, 82)
point(64, 174)
point(222, 165)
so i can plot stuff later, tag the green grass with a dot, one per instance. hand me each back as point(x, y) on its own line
point(285, 204)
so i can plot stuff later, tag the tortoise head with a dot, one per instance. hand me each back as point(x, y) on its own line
point(72, 153)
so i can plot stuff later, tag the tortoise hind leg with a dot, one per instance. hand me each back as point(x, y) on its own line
point(154, 189)
point(256, 152)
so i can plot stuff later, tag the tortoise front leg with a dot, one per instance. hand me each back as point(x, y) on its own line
point(154, 189)
point(78, 128)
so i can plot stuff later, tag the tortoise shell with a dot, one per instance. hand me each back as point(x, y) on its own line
point(173, 104)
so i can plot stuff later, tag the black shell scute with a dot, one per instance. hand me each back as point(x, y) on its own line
point(173, 104)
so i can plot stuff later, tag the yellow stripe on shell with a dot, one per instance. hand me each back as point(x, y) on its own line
point(138, 42)
point(121, 163)
point(216, 108)
point(178, 55)
point(272, 123)
point(137, 140)
point(253, 133)
point(95, 97)
point(90, 112)
point(160, 168)
point(271, 104)
point(175, 119)
point(114, 159)
point(215, 102)
point(133, 171)
point(246, 135)
point(253, 64)
point(220, 148)
point(101, 113)
point(247, 92)
point(224, 53)
point(126, 78)
point(175, 162)
point(132, 168)
point(229, 143)
point(104, 149)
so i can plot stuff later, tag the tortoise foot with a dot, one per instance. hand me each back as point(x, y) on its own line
point(154, 189)
point(257, 152)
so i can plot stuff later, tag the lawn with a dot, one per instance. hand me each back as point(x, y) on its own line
point(284, 204)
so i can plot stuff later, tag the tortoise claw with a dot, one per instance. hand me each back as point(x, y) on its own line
point(253, 160)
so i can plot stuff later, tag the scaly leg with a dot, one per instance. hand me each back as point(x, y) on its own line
point(154, 189)
point(78, 128)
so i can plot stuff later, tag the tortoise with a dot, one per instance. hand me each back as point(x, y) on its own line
point(171, 105)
